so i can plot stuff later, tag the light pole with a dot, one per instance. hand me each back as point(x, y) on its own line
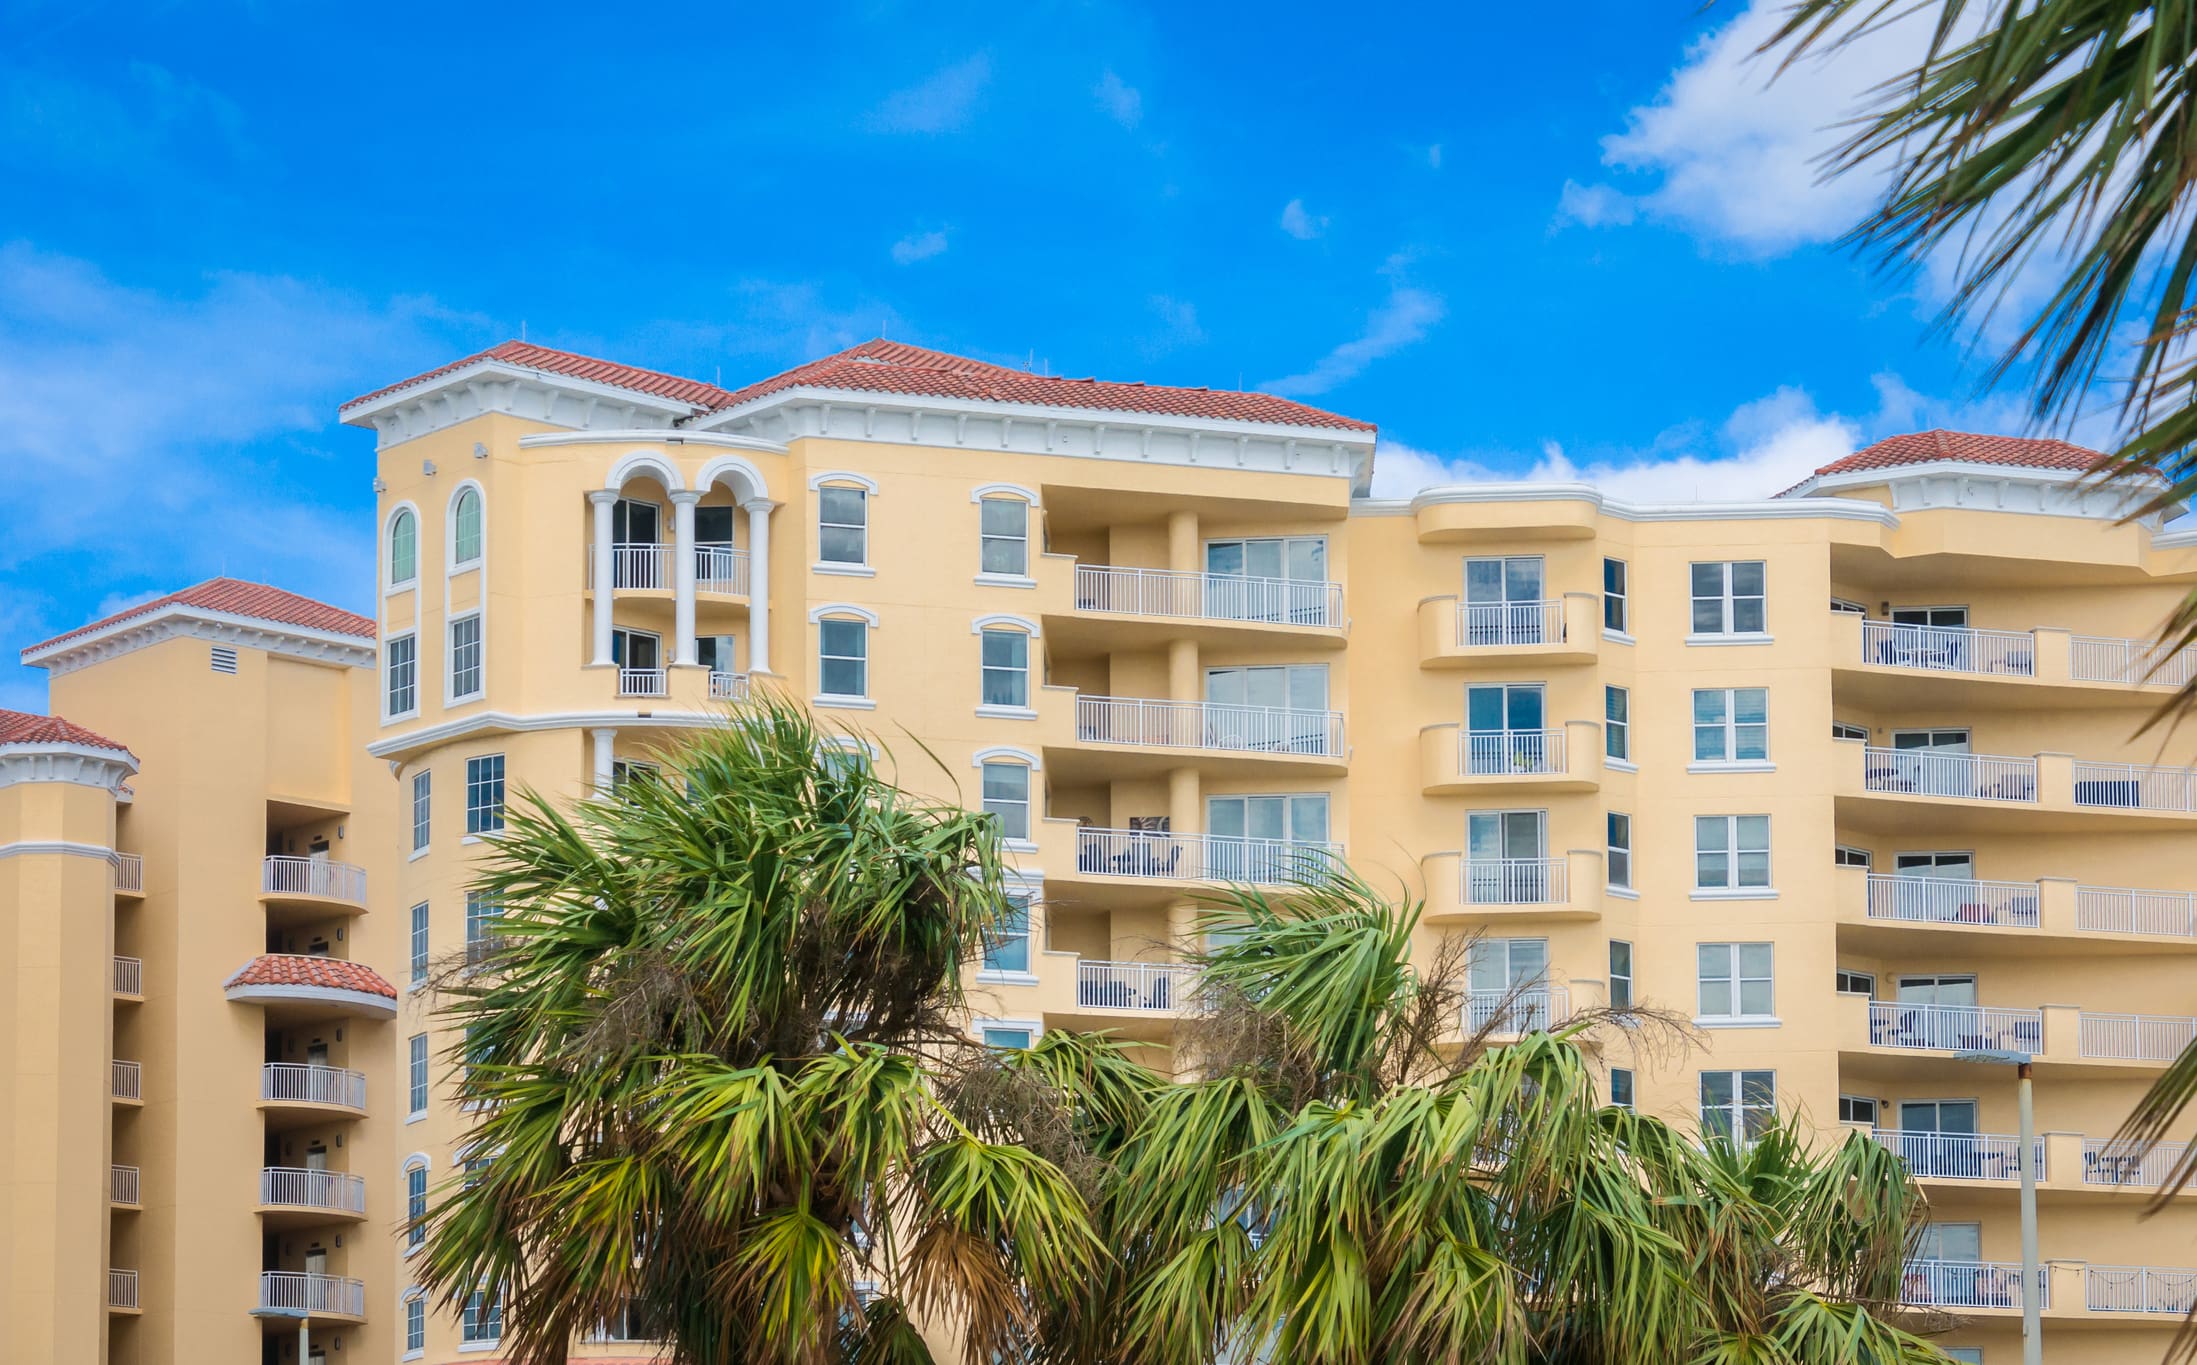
point(2032, 1329)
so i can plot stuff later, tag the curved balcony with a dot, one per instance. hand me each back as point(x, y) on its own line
point(1478, 890)
point(292, 1196)
point(1247, 602)
point(295, 1093)
point(644, 682)
point(1454, 760)
point(296, 890)
point(1454, 634)
point(1509, 1013)
point(297, 987)
point(295, 1294)
point(728, 686)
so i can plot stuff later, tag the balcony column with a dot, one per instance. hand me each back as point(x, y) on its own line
point(1182, 542)
point(1185, 682)
point(602, 500)
point(684, 649)
point(604, 739)
point(758, 510)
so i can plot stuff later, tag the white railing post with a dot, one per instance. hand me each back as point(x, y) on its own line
point(1169, 593)
point(287, 874)
point(124, 1186)
point(1522, 1010)
point(1490, 624)
point(122, 1289)
point(1160, 723)
point(1955, 1028)
point(129, 872)
point(1514, 881)
point(1947, 900)
point(127, 1080)
point(129, 975)
point(1202, 857)
point(728, 686)
point(2126, 786)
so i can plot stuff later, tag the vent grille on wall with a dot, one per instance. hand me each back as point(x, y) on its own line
point(224, 659)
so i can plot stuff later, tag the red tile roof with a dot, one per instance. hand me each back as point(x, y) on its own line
point(526, 355)
point(895, 367)
point(1929, 447)
point(301, 969)
point(21, 727)
point(235, 597)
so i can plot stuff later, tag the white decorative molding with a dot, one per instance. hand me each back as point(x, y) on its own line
point(1841, 509)
point(655, 462)
point(664, 436)
point(389, 586)
point(27, 848)
point(1004, 490)
point(1006, 751)
point(842, 609)
point(498, 386)
point(841, 477)
point(504, 722)
point(1986, 487)
point(137, 632)
point(366, 1002)
point(1021, 623)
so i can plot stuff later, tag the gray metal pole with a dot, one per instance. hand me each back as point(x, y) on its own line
point(2032, 1329)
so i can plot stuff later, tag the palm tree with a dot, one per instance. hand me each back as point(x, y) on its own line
point(709, 1057)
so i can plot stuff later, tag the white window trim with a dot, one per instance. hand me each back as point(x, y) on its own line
point(451, 696)
point(452, 567)
point(1618, 637)
point(389, 717)
point(1006, 713)
point(843, 611)
point(1003, 490)
point(1622, 765)
point(1000, 621)
point(1733, 893)
point(1004, 580)
point(1731, 765)
point(977, 1026)
point(1006, 753)
point(1730, 726)
point(1003, 621)
point(843, 478)
point(1749, 638)
point(390, 586)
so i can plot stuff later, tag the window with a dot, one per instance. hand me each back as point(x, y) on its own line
point(1857, 1109)
point(404, 548)
point(423, 791)
point(717, 653)
point(415, 1321)
point(415, 1206)
point(1267, 839)
point(419, 944)
point(1616, 609)
point(1848, 607)
point(1271, 578)
point(1736, 981)
point(1006, 667)
point(636, 651)
point(418, 1074)
point(1964, 1355)
point(1617, 723)
point(1006, 1035)
point(1844, 730)
point(1728, 598)
point(404, 692)
point(1003, 537)
point(627, 770)
point(1618, 865)
point(1620, 974)
point(1731, 724)
point(1506, 859)
point(1856, 983)
point(1846, 855)
point(1503, 603)
point(1737, 1104)
point(481, 914)
point(484, 794)
point(465, 527)
point(1621, 1087)
point(483, 1320)
point(1007, 947)
point(1274, 708)
point(465, 657)
point(1507, 983)
point(843, 525)
point(1731, 851)
point(1007, 796)
point(843, 657)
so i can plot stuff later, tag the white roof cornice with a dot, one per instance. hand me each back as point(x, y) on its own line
point(1839, 509)
point(181, 618)
point(81, 765)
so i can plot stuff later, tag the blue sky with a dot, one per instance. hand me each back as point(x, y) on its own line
point(1597, 249)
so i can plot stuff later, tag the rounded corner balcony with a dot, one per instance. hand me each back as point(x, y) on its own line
point(288, 1295)
point(291, 1196)
point(1454, 760)
point(1456, 634)
point(294, 1094)
point(296, 986)
point(1461, 890)
point(298, 889)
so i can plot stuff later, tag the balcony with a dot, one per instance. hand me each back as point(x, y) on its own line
point(129, 874)
point(1966, 777)
point(2127, 786)
point(2129, 910)
point(129, 978)
point(2129, 663)
point(2045, 792)
point(1168, 595)
point(1134, 987)
point(2115, 1166)
point(126, 1082)
point(1954, 1028)
point(1454, 634)
point(2053, 1035)
point(1264, 735)
point(1891, 912)
point(2139, 1289)
point(1969, 1284)
point(1455, 761)
point(298, 890)
point(644, 682)
point(1159, 856)
point(649, 568)
point(297, 987)
point(728, 686)
point(293, 1196)
point(2135, 1037)
point(303, 1092)
point(1961, 1156)
point(1950, 649)
point(122, 1291)
point(297, 1294)
point(1945, 900)
point(1480, 890)
point(122, 1187)
point(2000, 668)
point(1508, 1013)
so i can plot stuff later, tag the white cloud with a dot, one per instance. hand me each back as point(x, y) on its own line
point(1123, 103)
point(1406, 317)
point(1300, 224)
point(1434, 156)
point(918, 246)
point(939, 104)
point(1595, 205)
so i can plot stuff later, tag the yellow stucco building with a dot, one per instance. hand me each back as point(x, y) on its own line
point(1849, 777)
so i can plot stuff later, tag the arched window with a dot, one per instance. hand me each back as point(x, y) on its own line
point(415, 1204)
point(404, 548)
point(465, 527)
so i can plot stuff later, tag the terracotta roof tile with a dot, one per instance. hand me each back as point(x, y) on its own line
point(1929, 447)
point(21, 727)
point(235, 597)
point(898, 368)
point(301, 969)
point(572, 365)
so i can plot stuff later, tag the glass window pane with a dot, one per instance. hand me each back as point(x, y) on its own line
point(1712, 869)
point(1716, 1089)
point(1751, 741)
point(1483, 580)
point(1754, 869)
point(1005, 517)
point(1754, 831)
point(1307, 561)
point(847, 639)
point(1754, 998)
point(840, 544)
point(1709, 832)
point(1716, 997)
point(1747, 614)
point(1708, 706)
point(1708, 615)
point(1522, 579)
point(1755, 959)
point(1224, 557)
point(1750, 705)
point(1747, 578)
point(843, 506)
point(1615, 703)
point(1708, 580)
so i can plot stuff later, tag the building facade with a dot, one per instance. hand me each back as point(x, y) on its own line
point(1852, 778)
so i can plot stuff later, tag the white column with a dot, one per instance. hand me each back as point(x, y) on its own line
point(682, 575)
point(603, 740)
point(602, 500)
point(758, 510)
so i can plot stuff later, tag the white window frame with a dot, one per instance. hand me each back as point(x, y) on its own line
point(1034, 1027)
point(1024, 896)
point(1843, 729)
point(417, 1077)
point(415, 1317)
point(844, 615)
point(866, 489)
point(1736, 1114)
point(1005, 627)
point(1727, 732)
point(1735, 983)
point(1733, 850)
point(1630, 1099)
point(1626, 976)
point(480, 912)
point(410, 640)
point(1621, 599)
point(1005, 497)
point(1617, 855)
point(1846, 978)
point(1727, 600)
point(459, 559)
point(1015, 761)
point(417, 941)
point(483, 1309)
point(1617, 730)
point(458, 691)
point(415, 1225)
point(423, 810)
point(481, 818)
point(1847, 855)
point(398, 515)
point(1849, 1103)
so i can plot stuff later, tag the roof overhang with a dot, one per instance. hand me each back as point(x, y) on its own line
point(71, 652)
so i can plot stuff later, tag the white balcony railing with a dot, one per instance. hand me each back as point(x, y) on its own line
point(288, 875)
point(122, 1289)
point(1207, 596)
point(1517, 1011)
point(1510, 753)
point(1484, 625)
point(1968, 1284)
point(1152, 722)
point(638, 566)
point(129, 872)
point(1955, 1028)
point(126, 1080)
point(1203, 857)
point(303, 1293)
point(1950, 649)
point(129, 975)
point(1145, 987)
point(1930, 772)
point(310, 1083)
point(2098, 658)
point(1961, 1156)
point(1514, 881)
point(2136, 1037)
point(298, 1187)
point(122, 1184)
point(2106, 1162)
point(2127, 786)
point(721, 569)
point(1945, 900)
point(728, 686)
point(2131, 910)
point(2138, 1289)
point(644, 682)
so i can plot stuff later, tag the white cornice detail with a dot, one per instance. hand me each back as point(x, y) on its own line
point(505, 722)
point(1840, 509)
point(1975, 486)
point(80, 765)
point(667, 436)
point(495, 386)
point(66, 848)
point(365, 1002)
point(180, 618)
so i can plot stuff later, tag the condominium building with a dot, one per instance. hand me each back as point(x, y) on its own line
point(1852, 778)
